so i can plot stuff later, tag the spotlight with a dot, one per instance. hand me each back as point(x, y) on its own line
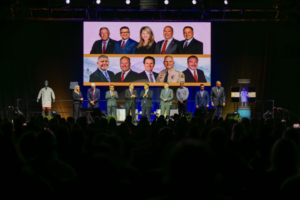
point(166, 2)
point(67, 1)
point(194, 2)
point(98, 1)
point(127, 1)
point(225, 2)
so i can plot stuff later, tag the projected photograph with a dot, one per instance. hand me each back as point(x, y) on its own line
point(152, 52)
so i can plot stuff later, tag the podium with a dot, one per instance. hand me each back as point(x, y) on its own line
point(244, 111)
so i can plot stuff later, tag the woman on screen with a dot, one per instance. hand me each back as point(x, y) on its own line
point(147, 44)
point(77, 102)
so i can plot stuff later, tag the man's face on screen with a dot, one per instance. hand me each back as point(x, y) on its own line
point(193, 63)
point(168, 63)
point(188, 33)
point(104, 34)
point(125, 64)
point(124, 33)
point(103, 63)
point(168, 33)
point(149, 65)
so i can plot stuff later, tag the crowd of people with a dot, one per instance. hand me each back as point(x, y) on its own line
point(168, 159)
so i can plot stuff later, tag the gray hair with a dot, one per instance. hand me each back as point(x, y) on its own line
point(103, 56)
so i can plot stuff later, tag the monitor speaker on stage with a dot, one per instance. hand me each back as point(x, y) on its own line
point(73, 84)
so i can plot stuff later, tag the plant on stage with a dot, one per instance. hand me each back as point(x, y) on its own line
point(48, 117)
point(235, 118)
point(188, 116)
point(110, 117)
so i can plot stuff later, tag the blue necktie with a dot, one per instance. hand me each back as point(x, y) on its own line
point(107, 77)
point(166, 92)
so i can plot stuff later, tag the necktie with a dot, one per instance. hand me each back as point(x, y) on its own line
point(93, 95)
point(107, 77)
point(122, 45)
point(195, 76)
point(122, 78)
point(201, 94)
point(164, 47)
point(151, 80)
point(131, 92)
point(166, 92)
point(186, 43)
point(103, 49)
point(166, 77)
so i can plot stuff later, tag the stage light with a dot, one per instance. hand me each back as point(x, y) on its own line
point(98, 1)
point(225, 2)
point(194, 2)
point(127, 1)
point(67, 1)
point(166, 2)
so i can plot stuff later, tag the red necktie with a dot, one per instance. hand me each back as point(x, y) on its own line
point(103, 49)
point(122, 45)
point(164, 47)
point(185, 46)
point(195, 76)
point(93, 95)
point(131, 92)
point(201, 94)
point(122, 78)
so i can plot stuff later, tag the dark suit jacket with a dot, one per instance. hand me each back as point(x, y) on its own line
point(217, 98)
point(130, 77)
point(77, 97)
point(98, 76)
point(144, 78)
point(194, 47)
point(171, 49)
point(189, 77)
point(148, 99)
point(129, 47)
point(96, 97)
point(97, 47)
point(204, 99)
point(130, 101)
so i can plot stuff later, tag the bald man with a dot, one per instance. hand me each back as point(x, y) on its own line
point(217, 97)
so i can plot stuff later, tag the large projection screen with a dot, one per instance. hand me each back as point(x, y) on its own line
point(147, 52)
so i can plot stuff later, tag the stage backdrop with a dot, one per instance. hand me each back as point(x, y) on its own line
point(33, 51)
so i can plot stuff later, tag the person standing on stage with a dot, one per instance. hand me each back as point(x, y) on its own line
point(166, 97)
point(146, 103)
point(111, 97)
point(77, 102)
point(130, 96)
point(182, 95)
point(217, 96)
point(244, 99)
point(202, 98)
point(93, 96)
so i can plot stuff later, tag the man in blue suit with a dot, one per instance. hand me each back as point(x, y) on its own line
point(202, 98)
point(93, 96)
point(126, 45)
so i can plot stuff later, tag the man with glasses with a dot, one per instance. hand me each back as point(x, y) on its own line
point(126, 45)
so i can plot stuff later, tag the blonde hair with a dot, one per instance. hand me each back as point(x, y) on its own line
point(75, 88)
point(151, 39)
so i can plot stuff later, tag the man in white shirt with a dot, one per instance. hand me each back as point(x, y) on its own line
point(169, 44)
point(126, 75)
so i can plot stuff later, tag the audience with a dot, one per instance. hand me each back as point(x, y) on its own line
point(173, 159)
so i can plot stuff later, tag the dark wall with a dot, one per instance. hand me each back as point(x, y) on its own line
point(33, 51)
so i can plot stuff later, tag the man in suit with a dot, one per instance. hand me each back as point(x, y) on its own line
point(111, 97)
point(104, 46)
point(126, 45)
point(182, 95)
point(202, 98)
point(166, 97)
point(93, 96)
point(190, 45)
point(192, 74)
point(146, 103)
point(169, 44)
point(130, 96)
point(102, 74)
point(126, 75)
point(217, 97)
point(169, 75)
point(148, 75)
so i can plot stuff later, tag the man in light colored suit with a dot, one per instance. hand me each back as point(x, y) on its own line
point(130, 96)
point(202, 98)
point(169, 44)
point(111, 97)
point(166, 97)
point(93, 96)
point(217, 96)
